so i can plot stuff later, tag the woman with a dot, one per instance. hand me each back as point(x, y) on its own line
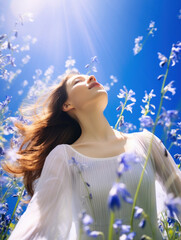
point(72, 150)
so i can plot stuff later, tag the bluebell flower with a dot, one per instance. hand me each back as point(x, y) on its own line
point(2, 36)
point(125, 160)
point(160, 76)
point(5, 102)
point(125, 228)
point(172, 135)
point(146, 237)
point(138, 212)
point(162, 58)
point(170, 221)
point(160, 226)
point(179, 125)
point(86, 221)
point(94, 234)
point(167, 116)
point(87, 184)
point(172, 204)
point(146, 99)
point(177, 156)
point(151, 28)
point(176, 51)
point(2, 152)
point(94, 69)
point(117, 191)
point(117, 225)
point(142, 223)
point(169, 88)
point(172, 113)
point(138, 45)
point(146, 121)
point(127, 94)
point(94, 59)
point(114, 202)
point(126, 126)
point(3, 208)
point(130, 236)
point(80, 166)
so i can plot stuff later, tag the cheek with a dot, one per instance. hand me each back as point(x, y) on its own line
point(78, 97)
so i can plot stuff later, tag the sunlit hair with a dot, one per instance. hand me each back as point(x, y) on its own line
point(50, 126)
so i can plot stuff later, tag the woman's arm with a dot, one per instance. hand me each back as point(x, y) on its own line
point(49, 213)
point(166, 169)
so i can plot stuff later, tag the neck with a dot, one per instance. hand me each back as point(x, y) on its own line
point(95, 127)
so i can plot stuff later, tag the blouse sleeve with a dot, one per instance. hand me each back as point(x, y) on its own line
point(166, 169)
point(49, 213)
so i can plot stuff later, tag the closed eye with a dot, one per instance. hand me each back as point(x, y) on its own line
point(76, 81)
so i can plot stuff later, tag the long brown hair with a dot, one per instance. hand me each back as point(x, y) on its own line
point(50, 127)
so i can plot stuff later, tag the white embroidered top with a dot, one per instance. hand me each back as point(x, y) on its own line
point(61, 192)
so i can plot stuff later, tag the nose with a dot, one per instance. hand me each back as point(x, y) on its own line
point(91, 79)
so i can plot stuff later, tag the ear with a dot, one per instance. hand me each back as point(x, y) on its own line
point(66, 107)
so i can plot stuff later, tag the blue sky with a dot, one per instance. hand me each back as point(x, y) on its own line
point(106, 29)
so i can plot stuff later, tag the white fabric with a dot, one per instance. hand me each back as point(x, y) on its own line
point(60, 194)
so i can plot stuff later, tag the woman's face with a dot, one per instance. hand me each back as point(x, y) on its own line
point(84, 91)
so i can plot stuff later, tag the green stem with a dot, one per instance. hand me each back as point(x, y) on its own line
point(140, 48)
point(122, 110)
point(86, 187)
point(80, 233)
point(111, 226)
point(150, 145)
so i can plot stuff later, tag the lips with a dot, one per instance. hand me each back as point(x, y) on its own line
point(94, 84)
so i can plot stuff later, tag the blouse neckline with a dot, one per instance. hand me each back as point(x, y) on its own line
point(98, 158)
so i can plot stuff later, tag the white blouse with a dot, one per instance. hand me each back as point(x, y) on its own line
point(61, 192)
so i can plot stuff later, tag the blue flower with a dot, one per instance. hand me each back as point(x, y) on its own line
point(177, 156)
point(138, 212)
point(160, 76)
point(165, 119)
point(94, 59)
point(94, 234)
point(170, 221)
point(176, 51)
point(130, 236)
point(86, 221)
point(142, 223)
point(80, 166)
point(2, 152)
point(113, 199)
point(172, 204)
point(118, 190)
point(117, 224)
point(151, 28)
point(172, 135)
point(5, 102)
point(125, 160)
point(125, 228)
point(146, 121)
point(162, 58)
point(138, 45)
point(169, 88)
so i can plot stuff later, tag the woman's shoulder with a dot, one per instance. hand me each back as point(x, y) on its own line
point(57, 151)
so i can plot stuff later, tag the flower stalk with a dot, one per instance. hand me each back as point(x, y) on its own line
point(150, 145)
